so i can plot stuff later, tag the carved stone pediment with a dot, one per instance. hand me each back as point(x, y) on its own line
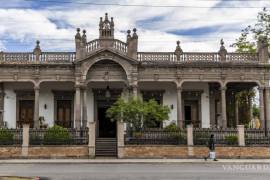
point(108, 53)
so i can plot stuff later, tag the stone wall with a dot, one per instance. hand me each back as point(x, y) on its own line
point(46, 152)
point(192, 152)
point(10, 152)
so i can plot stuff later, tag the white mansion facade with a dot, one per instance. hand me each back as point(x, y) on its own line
point(73, 88)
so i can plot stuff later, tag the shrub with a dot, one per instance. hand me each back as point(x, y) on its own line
point(172, 127)
point(6, 137)
point(231, 139)
point(57, 135)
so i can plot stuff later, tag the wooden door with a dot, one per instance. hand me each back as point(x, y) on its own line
point(26, 113)
point(64, 113)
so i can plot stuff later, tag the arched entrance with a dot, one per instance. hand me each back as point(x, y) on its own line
point(107, 80)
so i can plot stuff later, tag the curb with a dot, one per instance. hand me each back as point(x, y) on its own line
point(128, 161)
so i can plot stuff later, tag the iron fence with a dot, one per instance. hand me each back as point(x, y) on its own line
point(221, 136)
point(257, 137)
point(156, 137)
point(10, 137)
point(69, 137)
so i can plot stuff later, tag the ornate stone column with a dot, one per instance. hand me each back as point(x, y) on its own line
point(223, 107)
point(36, 108)
point(267, 107)
point(135, 90)
point(236, 112)
point(84, 102)
point(179, 107)
point(77, 106)
point(262, 115)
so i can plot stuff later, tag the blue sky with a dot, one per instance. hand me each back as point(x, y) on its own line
point(198, 24)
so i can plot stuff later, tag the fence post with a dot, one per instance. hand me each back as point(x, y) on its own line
point(25, 143)
point(190, 135)
point(241, 135)
point(91, 138)
point(120, 138)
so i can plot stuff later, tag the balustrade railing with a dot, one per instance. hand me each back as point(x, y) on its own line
point(120, 46)
point(17, 57)
point(99, 43)
point(92, 45)
point(57, 57)
point(195, 56)
point(7, 57)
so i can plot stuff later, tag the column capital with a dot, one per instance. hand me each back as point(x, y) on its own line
point(78, 86)
point(261, 88)
point(179, 88)
point(36, 87)
point(223, 88)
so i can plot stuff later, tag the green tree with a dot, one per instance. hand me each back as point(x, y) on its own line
point(250, 35)
point(138, 113)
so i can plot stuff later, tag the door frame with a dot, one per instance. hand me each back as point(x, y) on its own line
point(64, 95)
point(20, 96)
point(99, 95)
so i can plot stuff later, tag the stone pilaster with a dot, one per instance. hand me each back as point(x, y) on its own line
point(120, 138)
point(262, 115)
point(190, 135)
point(25, 143)
point(179, 107)
point(36, 109)
point(92, 139)
point(241, 135)
point(77, 107)
point(223, 107)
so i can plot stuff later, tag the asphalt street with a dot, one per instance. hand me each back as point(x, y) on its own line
point(165, 171)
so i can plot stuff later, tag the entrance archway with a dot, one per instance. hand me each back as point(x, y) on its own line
point(107, 80)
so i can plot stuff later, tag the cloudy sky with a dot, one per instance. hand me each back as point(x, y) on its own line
point(198, 24)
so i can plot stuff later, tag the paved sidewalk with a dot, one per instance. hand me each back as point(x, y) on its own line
point(125, 161)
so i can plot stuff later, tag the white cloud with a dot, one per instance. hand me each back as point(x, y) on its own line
point(28, 24)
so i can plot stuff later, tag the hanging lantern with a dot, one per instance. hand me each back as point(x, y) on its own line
point(108, 93)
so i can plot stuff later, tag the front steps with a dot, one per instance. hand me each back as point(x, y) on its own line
point(106, 147)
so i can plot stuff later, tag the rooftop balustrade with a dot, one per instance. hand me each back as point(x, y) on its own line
point(196, 56)
point(121, 47)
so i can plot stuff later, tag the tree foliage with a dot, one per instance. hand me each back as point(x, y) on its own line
point(250, 35)
point(138, 113)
